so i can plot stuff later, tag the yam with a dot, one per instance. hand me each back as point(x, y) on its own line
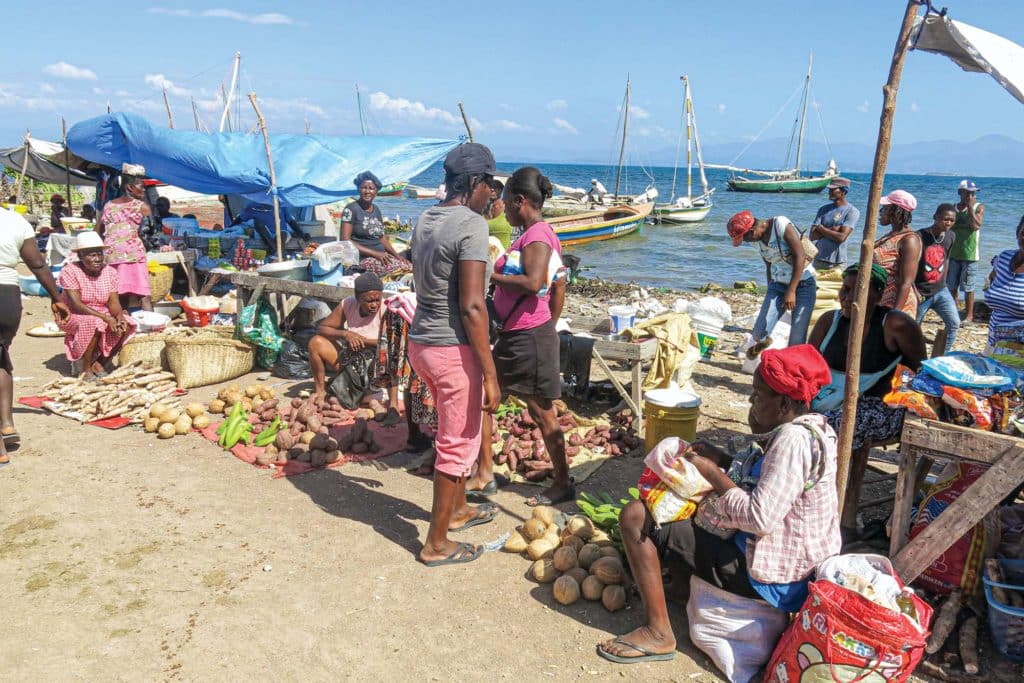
point(216, 406)
point(592, 588)
point(317, 457)
point(182, 425)
point(359, 429)
point(566, 590)
point(579, 574)
point(200, 422)
point(608, 569)
point(545, 513)
point(333, 456)
point(534, 528)
point(346, 440)
point(565, 558)
point(542, 548)
point(165, 430)
point(516, 543)
point(613, 598)
point(307, 436)
point(589, 554)
point(543, 571)
point(284, 440)
point(320, 441)
point(944, 622)
point(194, 409)
point(304, 456)
point(359, 448)
point(969, 644)
point(151, 424)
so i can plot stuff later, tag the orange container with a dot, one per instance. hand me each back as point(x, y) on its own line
point(198, 317)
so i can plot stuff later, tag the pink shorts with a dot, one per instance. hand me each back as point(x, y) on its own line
point(132, 278)
point(454, 377)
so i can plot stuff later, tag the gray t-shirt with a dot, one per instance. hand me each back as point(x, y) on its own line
point(833, 217)
point(444, 236)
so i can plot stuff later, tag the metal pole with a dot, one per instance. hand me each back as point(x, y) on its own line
point(867, 246)
point(273, 178)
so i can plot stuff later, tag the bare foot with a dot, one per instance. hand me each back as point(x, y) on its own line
point(645, 637)
point(319, 397)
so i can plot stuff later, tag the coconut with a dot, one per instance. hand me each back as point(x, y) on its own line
point(588, 554)
point(564, 559)
point(581, 526)
point(613, 598)
point(545, 513)
point(533, 529)
point(515, 543)
point(592, 588)
point(608, 569)
point(574, 542)
point(566, 590)
point(543, 571)
point(578, 573)
point(541, 548)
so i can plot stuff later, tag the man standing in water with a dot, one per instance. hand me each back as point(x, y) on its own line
point(832, 226)
point(963, 258)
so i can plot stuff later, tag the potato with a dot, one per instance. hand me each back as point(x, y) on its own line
point(543, 571)
point(232, 397)
point(540, 548)
point(545, 513)
point(566, 590)
point(151, 424)
point(252, 391)
point(565, 559)
point(307, 437)
point(266, 394)
point(578, 573)
point(183, 424)
point(194, 409)
point(247, 404)
point(170, 415)
point(165, 430)
point(589, 554)
point(608, 569)
point(613, 598)
point(592, 588)
point(216, 406)
point(515, 543)
point(534, 528)
point(200, 422)
point(581, 526)
point(157, 410)
point(333, 456)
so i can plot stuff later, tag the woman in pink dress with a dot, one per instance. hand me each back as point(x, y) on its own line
point(119, 226)
point(97, 326)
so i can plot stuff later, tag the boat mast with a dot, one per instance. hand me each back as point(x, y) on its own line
point(688, 105)
point(696, 139)
point(359, 105)
point(803, 112)
point(679, 145)
point(622, 149)
point(230, 93)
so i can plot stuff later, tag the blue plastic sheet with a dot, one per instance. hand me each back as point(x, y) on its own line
point(310, 169)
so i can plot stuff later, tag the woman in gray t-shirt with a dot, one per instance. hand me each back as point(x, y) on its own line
point(363, 224)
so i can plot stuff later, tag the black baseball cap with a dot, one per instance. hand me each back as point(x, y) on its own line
point(471, 158)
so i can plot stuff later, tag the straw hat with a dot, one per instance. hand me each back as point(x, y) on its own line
point(88, 240)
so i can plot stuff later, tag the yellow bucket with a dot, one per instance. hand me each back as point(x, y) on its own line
point(670, 412)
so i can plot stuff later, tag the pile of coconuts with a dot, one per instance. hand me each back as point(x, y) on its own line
point(579, 560)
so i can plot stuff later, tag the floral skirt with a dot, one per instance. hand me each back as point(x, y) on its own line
point(876, 422)
point(393, 368)
point(389, 264)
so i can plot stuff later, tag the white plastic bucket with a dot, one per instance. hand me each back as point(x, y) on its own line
point(621, 318)
point(707, 331)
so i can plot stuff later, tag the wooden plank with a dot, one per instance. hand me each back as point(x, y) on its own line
point(973, 504)
point(313, 290)
point(943, 440)
point(618, 385)
point(638, 400)
point(901, 507)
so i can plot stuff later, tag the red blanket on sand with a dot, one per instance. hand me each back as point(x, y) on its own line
point(390, 439)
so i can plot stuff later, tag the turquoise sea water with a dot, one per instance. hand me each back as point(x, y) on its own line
point(688, 256)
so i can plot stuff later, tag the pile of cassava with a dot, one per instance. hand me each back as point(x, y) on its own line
point(578, 560)
point(128, 392)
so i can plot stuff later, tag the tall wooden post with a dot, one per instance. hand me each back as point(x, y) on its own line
point(167, 105)
point(465, 122)
point(24, 167)
point(67, 162)
point(273, 178)
point(867, 247)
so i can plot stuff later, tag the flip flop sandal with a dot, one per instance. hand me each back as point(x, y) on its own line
point(542, 499)
point(484, 514)
point(645, 656)
point(489, 489)
point(464, 552)
point(389, 419)
point(12, 438)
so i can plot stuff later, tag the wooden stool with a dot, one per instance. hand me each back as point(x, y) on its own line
point(858, 465)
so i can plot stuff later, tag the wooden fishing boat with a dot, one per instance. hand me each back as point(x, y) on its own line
point(594, 226)
point(393, 189)
point(417, 192)
point(686, 208)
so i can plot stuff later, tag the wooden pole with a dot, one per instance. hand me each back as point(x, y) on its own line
point(24, 168)
point(167, 105)
point(224, 116)
point(867, 247)
point(67, 162)
point(273, 178)
point(465, 121)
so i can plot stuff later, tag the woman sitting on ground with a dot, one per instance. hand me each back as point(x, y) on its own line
point(97, 327)
point(363, 224)
point(899, 252)
point(1005, 294)
point(348, 335)
point(785, 501)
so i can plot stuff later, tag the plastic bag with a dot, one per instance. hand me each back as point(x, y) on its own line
point(970, 371)
point(968, 410)
point(351, 385)
point(1010, 353)
point(903, 395)
point(292, 362)
point(670, 485)
point(257, 324)
point(333, 255)
point(737, 633)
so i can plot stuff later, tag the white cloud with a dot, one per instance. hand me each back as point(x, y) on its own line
point(122, 93)
point(506, 125)
point(47, 88)
point(557, 105)
point(11, 100)
point(914, 108)
point(401, 108)
point(160, 82)
point(721, 108)
point(98, 91)
point(65, 70)
point(564, 125)
point(863, 107)
point(266, 18)
point(639, 112)
point(273, 105)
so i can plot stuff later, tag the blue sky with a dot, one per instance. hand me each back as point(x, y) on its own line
point(542, 80)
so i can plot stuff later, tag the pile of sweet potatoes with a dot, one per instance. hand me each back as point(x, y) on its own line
point(307, 435)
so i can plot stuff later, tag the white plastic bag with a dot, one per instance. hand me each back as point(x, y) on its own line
point(780, 340)
point(737, 633)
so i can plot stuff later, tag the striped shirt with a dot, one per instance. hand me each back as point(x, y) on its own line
point(1005, 296)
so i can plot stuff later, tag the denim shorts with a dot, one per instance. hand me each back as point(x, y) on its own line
point(962, 276)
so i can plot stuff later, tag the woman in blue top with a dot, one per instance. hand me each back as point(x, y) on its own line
point(1005, 294)
point(789, 288)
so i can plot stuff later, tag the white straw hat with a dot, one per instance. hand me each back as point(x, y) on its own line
point(88, 240)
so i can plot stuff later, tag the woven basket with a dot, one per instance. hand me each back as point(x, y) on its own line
point(146, 347)
point(207, 355)
point(160, 283)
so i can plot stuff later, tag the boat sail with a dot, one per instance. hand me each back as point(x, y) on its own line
point(788, 180)
point(687, 209)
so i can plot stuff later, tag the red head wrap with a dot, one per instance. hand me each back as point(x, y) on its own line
point(798, 372)
point(739, 225)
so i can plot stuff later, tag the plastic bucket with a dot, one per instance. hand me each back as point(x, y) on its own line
point(621, 318)
point(670, 412)
point(707, 337)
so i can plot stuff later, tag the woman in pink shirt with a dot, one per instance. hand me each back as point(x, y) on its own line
point(528, 298)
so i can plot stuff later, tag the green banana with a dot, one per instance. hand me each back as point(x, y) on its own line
point(265, 437)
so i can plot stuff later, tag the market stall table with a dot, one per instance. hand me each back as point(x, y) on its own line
point(931, 439)
point(250, 287)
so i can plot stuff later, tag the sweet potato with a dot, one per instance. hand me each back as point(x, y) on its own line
point(284, 440)
point(572, 450)
point(517, 430)
point(359, 448)
point(613, 450)
point(313, 422)
point(268, 415)
point(512, 461)
point(335, 414)
point(296, 403)
point(359, 429)
point(534, 465)
point(526, 418)
point(269, 405)
point(575, 439)
point(536, 475)
point(346, 440)
point(319, 442)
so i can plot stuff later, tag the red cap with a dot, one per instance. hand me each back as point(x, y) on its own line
point(798, 372)
point(56, 198)
point(739, 225)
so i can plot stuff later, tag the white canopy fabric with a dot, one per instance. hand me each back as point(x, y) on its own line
point(973, 50)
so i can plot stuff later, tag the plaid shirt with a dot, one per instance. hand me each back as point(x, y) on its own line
point(794, 527)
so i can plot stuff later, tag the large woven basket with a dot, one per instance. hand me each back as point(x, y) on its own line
point(207, 355)
point(160, 283)
point(145, 347)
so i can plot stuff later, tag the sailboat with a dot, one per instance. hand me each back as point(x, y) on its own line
point(391, 189)
point(788, 180)
point(605, 223)
point(687, 209)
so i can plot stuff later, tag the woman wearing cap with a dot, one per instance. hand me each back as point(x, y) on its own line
point(449, 346)
point(119, 225)
point(789, 288)
point(1005, 294)
point(98, 326)
point(363, 223)
point(899, 252)
point(348, 335)
point(890, 337)
point(17, 244)
point(780, 505)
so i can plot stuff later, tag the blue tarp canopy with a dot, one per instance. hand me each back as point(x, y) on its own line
point(310, 169)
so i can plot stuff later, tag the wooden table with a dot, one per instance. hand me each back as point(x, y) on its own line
point(931, 439)
point(251, 287)
point(632, 352)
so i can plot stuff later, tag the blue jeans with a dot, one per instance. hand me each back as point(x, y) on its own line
point(772, 310)
point(942, 302)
